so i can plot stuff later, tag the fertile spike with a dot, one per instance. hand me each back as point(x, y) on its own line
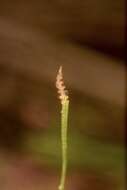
point(60, 86)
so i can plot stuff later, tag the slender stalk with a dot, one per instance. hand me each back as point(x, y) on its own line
point(64, 125)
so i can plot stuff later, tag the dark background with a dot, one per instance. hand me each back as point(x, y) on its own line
point(87, 39)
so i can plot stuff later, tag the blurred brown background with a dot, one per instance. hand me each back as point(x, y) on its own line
point(87, 39)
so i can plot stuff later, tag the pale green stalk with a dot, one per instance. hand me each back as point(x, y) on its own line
point(64, 124)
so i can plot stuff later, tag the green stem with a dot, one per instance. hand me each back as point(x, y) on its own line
point(64, 126)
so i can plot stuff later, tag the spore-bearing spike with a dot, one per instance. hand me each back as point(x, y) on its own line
point(61, 86)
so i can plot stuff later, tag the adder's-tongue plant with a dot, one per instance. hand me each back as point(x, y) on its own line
point(64, 99)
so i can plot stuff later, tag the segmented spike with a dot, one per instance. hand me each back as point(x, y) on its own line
point(61, 86)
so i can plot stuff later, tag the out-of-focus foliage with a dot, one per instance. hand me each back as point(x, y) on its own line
point(37, 36)
point(84, 152)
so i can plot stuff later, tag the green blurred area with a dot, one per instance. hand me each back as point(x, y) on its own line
point(84, 152)
point(95, 134)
